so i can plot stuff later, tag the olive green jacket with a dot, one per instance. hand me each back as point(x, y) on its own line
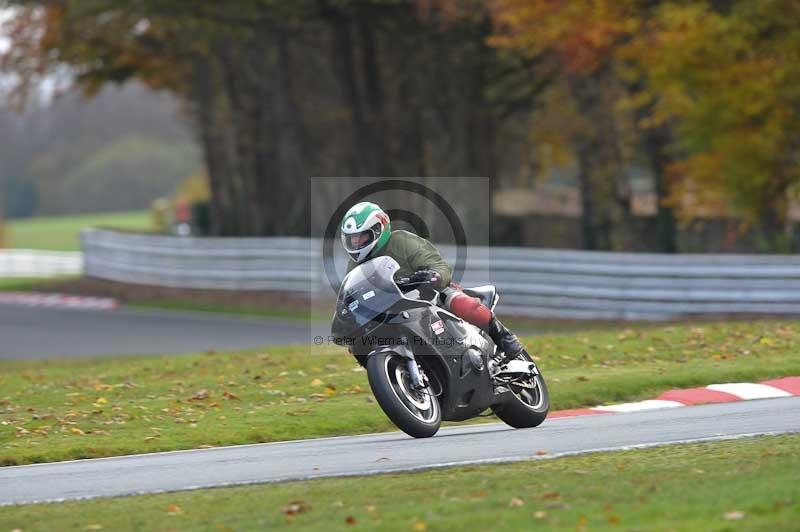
point(412, 253)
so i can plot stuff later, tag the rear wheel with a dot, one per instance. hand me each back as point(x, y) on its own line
point(415, 412)
point(528, 403)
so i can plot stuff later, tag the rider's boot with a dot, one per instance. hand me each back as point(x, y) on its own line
point(505, 340)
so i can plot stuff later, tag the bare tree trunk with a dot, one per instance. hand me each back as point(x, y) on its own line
point(605, 191)
point(293, 153)
point(206, 110)
point(656, 144)
point(240, 122)
point(376, 152)
point(344, 52)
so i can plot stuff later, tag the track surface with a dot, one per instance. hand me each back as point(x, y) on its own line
point(27, 333)
point(39, 332)
point(380, 453)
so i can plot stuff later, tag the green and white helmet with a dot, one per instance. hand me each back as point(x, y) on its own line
point(365, 228)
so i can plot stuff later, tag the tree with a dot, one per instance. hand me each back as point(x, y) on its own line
point(728, 75)
point(222, 62)
point(281, 91)
point(578, 39)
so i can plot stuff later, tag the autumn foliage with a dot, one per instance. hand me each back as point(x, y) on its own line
point(702, 95)
point(716, 81)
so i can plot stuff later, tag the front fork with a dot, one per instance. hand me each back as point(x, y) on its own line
point(418, 379)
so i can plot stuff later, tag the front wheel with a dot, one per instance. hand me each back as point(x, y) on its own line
point(527, 405)
point(415, 412)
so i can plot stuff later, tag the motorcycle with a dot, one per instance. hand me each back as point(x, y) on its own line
point(426, 365)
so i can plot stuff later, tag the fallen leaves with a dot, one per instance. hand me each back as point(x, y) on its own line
point(174, 509)
point(199, 395)
point(100, 402)
point(296, 507)
point(734, 516)
point(299, 411)
point(558, 505)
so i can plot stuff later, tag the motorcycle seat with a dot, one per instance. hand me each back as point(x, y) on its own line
point(487, 294)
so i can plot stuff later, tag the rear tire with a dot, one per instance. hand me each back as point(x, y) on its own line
point(416, 413)
point(525, 407)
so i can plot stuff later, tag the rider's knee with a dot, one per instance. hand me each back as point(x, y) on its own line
point(470, 309)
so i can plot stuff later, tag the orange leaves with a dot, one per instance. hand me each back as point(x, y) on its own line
point(230, 396)
point(296, 507)
point(174, 509)
point(724, 81)
point(581, 33)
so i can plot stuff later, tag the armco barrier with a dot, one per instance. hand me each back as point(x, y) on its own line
point(532, 282)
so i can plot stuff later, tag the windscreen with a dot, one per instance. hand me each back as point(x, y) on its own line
point(367, 292)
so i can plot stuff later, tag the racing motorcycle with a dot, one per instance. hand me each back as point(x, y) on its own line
point(425, 365)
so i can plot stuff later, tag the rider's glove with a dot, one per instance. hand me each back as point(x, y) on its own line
point(424, 276)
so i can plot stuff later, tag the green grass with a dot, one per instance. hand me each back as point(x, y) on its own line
point(210, 308)
point(93, 407)
point(29, 284)
point(748, 484)
point(60, 233)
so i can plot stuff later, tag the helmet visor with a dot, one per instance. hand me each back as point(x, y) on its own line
point(357, 241)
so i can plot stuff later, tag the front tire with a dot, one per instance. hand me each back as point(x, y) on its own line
point(526, 407)
point(417, 413)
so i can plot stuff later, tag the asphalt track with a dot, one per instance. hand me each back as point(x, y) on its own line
point(35, 332)
point(382, 453)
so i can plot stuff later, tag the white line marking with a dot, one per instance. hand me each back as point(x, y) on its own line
point(749, 390)
point(650, 404)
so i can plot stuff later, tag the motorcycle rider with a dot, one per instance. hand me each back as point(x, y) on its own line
point(366, 233)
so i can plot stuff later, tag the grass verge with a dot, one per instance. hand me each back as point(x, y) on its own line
point(748, 484)
point(60, 233)
point(94, 407)
point(211, 308)
point(30, 284)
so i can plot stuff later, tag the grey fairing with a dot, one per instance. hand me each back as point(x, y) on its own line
point(400, 349)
